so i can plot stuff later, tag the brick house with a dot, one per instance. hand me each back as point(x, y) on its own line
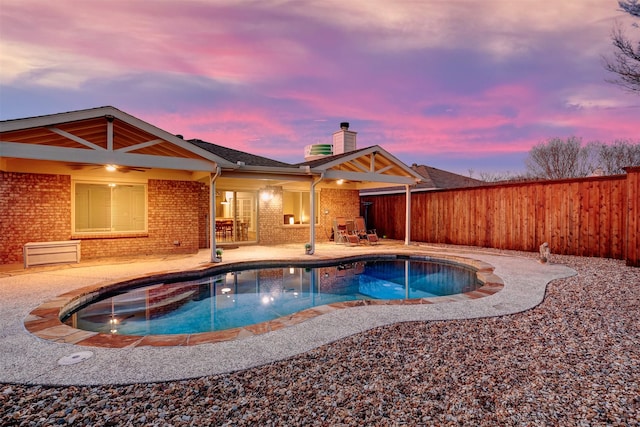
point(121, 186)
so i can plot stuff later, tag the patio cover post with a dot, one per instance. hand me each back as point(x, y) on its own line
point(312, 208)
point(407, 225)
point(212, 215)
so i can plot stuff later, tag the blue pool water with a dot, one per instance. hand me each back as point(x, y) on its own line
point(248, 296)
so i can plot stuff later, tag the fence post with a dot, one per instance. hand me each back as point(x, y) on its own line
point(632, 238)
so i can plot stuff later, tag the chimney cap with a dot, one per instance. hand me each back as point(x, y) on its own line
point(344, 125)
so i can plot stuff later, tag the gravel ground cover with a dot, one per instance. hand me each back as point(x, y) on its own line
point(572, 361)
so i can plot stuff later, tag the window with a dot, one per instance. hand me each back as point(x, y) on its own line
point(296, 207)
point(109, 208)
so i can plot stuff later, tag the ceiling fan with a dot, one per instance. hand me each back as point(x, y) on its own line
point(109, 167)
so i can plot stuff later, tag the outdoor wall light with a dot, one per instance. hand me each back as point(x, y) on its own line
point(224, 199)
point(111, 168)
point(340, 181)
point(266, 194)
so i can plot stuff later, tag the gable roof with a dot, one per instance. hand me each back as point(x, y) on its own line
point(370, 164)
point(103, 135)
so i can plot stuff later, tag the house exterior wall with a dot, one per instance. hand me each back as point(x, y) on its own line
point(37, 208)
point(332, 203)
point(203, 217)
point(173, 224)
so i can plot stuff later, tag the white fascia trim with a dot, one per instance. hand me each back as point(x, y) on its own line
point(55, 119)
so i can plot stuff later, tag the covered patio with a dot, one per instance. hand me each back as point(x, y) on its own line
point(169, 195)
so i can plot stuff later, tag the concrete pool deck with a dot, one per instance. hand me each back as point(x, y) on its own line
point(29, 359)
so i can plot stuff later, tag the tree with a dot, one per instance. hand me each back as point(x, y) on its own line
point(558, 158)
point(613, 158)
point(625, 63)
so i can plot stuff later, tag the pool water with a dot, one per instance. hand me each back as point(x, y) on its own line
point(245, 297)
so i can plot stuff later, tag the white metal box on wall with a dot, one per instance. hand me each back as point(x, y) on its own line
point(60, 252)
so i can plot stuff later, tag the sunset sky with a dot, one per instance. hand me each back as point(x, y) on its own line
point(459, 85)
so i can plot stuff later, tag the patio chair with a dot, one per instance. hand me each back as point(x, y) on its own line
point(340, 229)
point(352, 239)
point(361, 231)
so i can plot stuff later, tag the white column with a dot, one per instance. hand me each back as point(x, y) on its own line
point(407, 225)
point(312, 221)
point(312, 207)
point(212, 217)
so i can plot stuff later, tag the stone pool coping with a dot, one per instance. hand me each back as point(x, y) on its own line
point(44, 321)
point(29, 359)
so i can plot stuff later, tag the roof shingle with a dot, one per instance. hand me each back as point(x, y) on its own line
point(235, 156)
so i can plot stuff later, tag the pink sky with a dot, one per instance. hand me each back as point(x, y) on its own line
point(457, 85)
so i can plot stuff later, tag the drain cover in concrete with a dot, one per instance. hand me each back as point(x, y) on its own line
point(75, 358)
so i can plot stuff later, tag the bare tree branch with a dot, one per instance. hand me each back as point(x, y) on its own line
point(558, 158)
point(632, 7)
point(625, 63)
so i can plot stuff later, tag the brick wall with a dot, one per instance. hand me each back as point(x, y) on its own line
point(173, 224)
point(336, 203)
point(35, 208)
point(203, 217)
point(332, 203)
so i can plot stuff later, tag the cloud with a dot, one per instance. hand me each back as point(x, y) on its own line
point(429, 81)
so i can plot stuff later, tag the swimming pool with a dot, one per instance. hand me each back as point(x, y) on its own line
point(250, 295)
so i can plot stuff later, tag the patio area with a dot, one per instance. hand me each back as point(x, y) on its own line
point(30, 359)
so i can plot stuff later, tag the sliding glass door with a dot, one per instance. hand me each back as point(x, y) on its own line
point(236, 216)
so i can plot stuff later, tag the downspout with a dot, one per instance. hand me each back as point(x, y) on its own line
point(407, 225)
point(312, 222)
point(212, 215)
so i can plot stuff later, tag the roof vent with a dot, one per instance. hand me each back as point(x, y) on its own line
point(316, 151)
point(180, 136)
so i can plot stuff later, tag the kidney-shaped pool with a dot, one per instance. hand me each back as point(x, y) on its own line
point(242, 296)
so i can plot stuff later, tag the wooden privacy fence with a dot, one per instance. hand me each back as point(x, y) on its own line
point(598, 216)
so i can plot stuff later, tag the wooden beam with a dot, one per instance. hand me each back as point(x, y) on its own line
point(110, 133)
point(140, 146)
point(372, 177)
point(75, 138)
